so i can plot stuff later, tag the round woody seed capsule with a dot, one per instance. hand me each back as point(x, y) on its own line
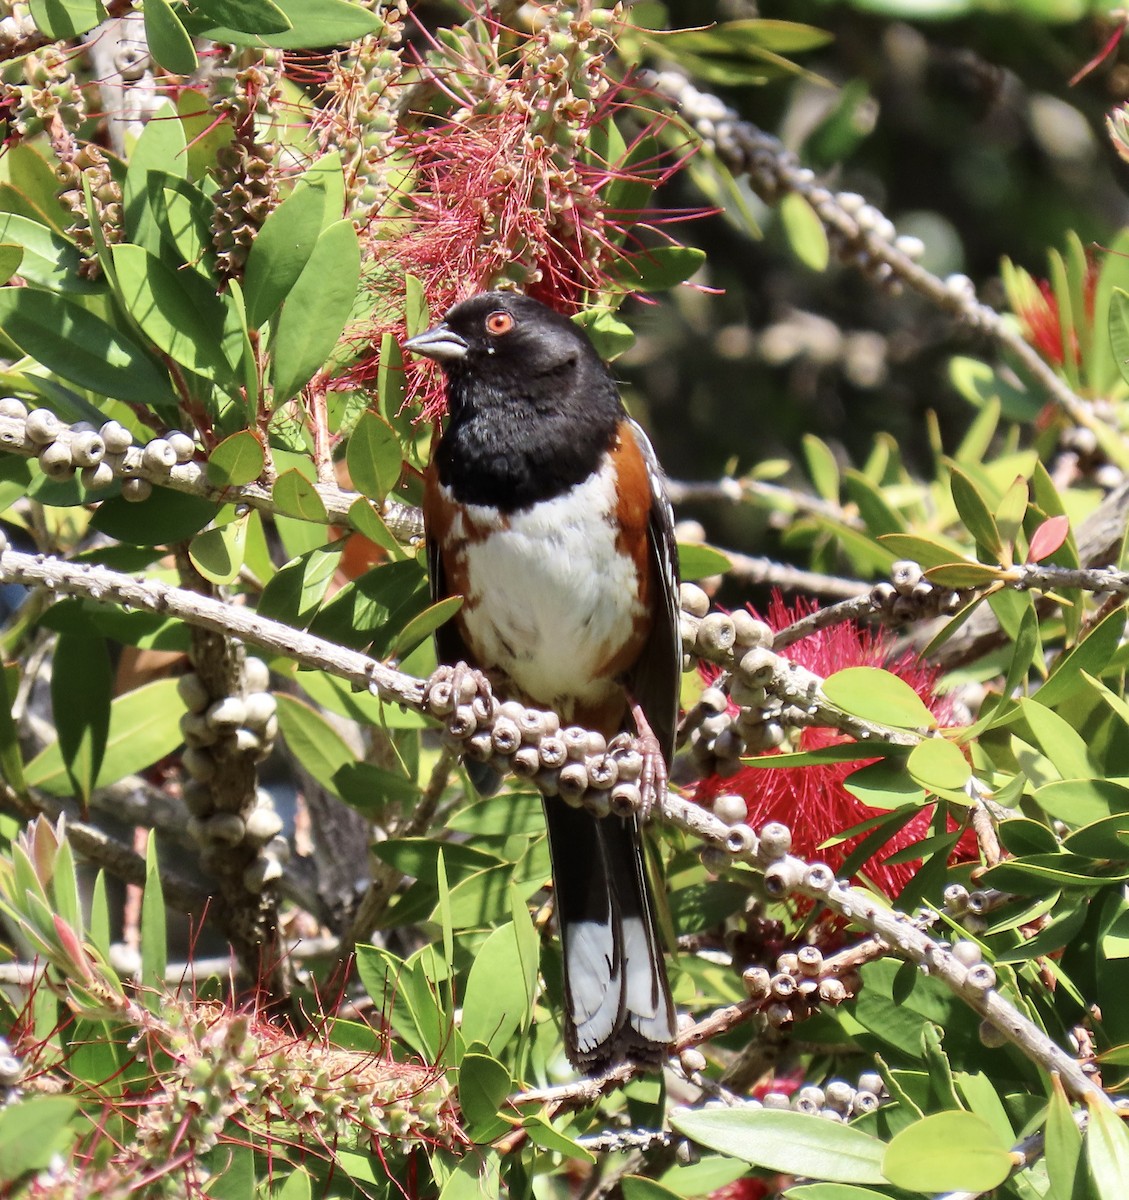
point(832, 991)
point(603, 773)
point(967, 953)
point(775, 841)
point(787, 963)
point(55, 460)
point(730, 808)
point(809, 959)
point(440, 698)
point(115, 437)
point(94, 479)
point(199, 764)
point(158, 456)
point(991, 1036)
point(183, 446)
point(810, 1092)
point(136, 490)
point(713, 701)
point(864, 1102)
point(263, 823)
point(575, 741)
point(630, 765)
point(11, 407)
point(626, 798)
point(480, 746)
point(757, 666)
point(87, 449)
point(261, 706)
point(717, 634)
point(572, 782)
point(750, 631)
point(256, 675)
point(227, 713)
point(981, 978)
point(692, 1060)
point(740, 839)
point(820, 877)
point(260, 872)
point(905, 575)
point(42, 426)
point(462, 723)
point(224, 829)
point(782, 877)
point(778, 1100)
point(505, 735)
point(955, 897)
point(526, 762)
point(871, 1081)
point(196, 731)
point(693, 600)
point(714, 859)
point(755, 981)
point(553, 753)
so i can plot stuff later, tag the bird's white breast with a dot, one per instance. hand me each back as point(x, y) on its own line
point(547, 591)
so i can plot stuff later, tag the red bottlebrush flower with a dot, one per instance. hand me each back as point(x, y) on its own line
point(812, 800)
point(508, 188)
point(1038, 312)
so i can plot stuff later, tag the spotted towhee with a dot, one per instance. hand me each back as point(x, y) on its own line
point(545, 511)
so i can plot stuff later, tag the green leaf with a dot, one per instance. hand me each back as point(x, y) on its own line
point(161, 147)
point(154, 930)
point(294, 495)
point(179, 311)
point(1058, 740)
point(32, 1132)
point(366, 520)
point(788, 1142)
point(65, 19)
point(297, 1186)
point(314, 24)
point(542, 1134)
point(698, 561)
point(297, 590)
point(81, 689)
point(832, 1191)
point(947, 1151)
point(219, 554)
point(656, 269)
point(823, 467)
point(424, 625)
point(246, 16)
point(315, 310)
point(497, 1000)
point(939, 766)
point(1083, 801)
point(168, 40)
point(237, 460)
point(81, 348)
point(10, 258)
point(313, 741)
point(1041, 874)
point(373, 456)
point(611, 336)
point(49, 259)
point(926, 551)
point(484, 1085)
point(636, 1187)
point(144, 727)
point(1107, 1149)
point(877, 695)
point(11, 757)
point(1119, 330)
point(975, 513)
point(1091, 655)
point(805, 232)
point(162, 519)
point(283, 246)
point(1063, 1144)
point(885, 784)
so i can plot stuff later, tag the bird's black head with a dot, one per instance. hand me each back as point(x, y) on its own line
point(531, 403)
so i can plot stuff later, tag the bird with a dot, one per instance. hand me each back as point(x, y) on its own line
point(545, 509)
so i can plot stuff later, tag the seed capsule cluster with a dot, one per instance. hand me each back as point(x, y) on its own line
point(800, 983)
point(836, 1100)
point(578, 765)
point(99, 456)
point(213, 729)
point(909, 596)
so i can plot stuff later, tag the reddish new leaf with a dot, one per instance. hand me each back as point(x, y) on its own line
point(1048, 538)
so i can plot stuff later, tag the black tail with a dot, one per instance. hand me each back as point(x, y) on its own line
point(617, 999)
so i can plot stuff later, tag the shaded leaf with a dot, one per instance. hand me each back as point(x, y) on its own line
point(81, 688)
point(168, 40)
point(373, 456)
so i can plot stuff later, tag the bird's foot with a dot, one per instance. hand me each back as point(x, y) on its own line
point(451, 687)
point(653, 774)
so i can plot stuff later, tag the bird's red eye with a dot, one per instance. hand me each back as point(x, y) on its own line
point(499, 322)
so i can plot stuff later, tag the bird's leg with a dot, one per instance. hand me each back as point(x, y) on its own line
point(451, 686)
point(653, 781)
